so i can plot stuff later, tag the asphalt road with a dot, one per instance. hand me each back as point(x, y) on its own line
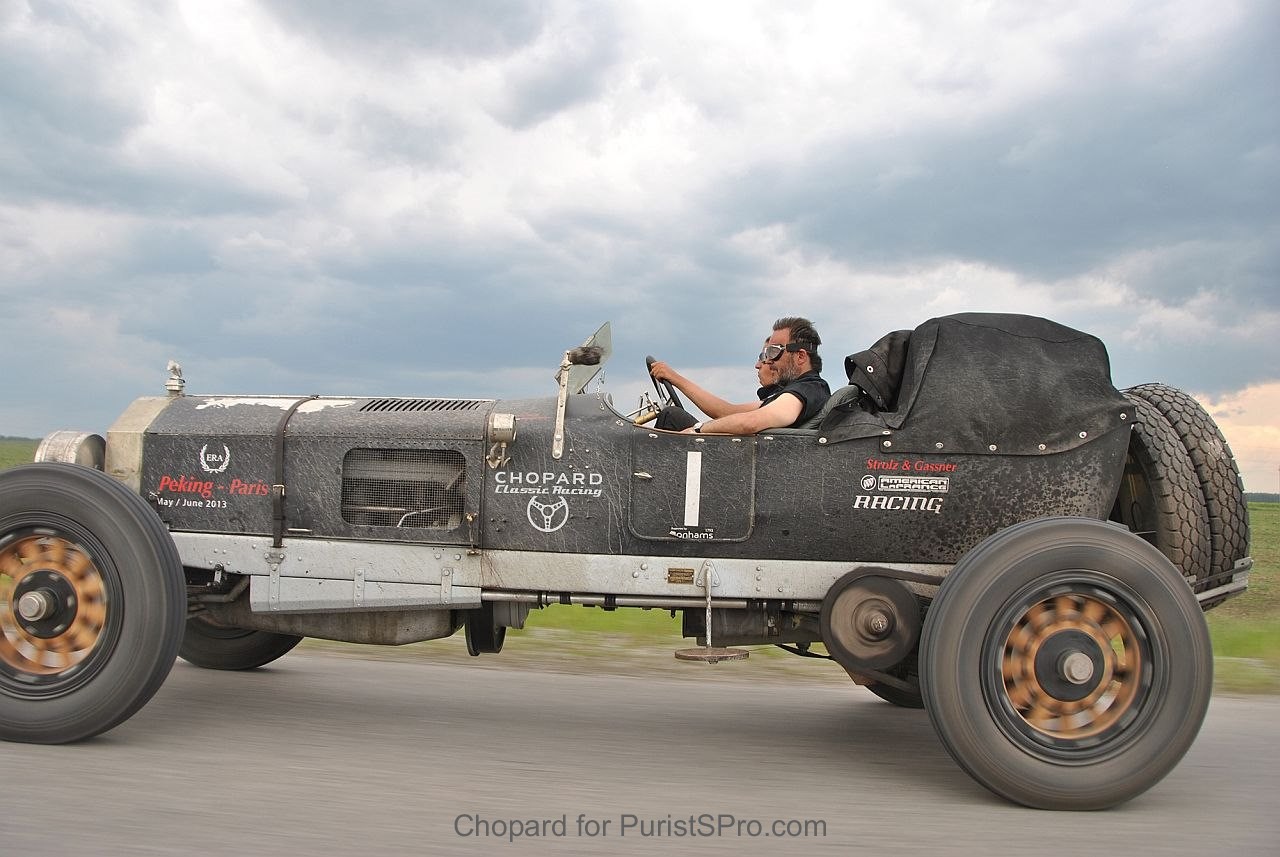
point(320, 754)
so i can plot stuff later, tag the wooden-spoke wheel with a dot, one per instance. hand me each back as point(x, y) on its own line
point(1074, 665)
point(53, 608)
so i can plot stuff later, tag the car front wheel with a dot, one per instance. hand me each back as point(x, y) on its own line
point(92, 602)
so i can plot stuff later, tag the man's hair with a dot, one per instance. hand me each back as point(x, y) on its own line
point(804, 335)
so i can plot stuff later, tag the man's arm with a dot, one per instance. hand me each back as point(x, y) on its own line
point(706, 401)
point(781, 412)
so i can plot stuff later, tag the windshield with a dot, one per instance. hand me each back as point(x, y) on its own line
point(581, 374)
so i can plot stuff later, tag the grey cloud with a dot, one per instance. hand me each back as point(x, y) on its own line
point(389, 137)
point(407, 27)
point(1056, 188)
point(572, 69)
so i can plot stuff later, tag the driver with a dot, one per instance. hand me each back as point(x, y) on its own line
point(792, 391)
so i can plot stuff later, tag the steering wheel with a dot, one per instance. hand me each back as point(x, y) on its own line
point(666, 390)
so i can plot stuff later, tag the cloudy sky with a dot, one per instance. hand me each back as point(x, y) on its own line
point(437, 198)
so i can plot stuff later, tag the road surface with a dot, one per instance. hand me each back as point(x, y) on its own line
point(327, 755)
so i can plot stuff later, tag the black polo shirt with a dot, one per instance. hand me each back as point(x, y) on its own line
point(809, 388)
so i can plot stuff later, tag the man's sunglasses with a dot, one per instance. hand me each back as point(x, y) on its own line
point(773, 353)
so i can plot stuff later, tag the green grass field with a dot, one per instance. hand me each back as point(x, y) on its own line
point(1245, 630)
point(16, 451)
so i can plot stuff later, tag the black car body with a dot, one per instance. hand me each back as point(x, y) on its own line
point(979, 440)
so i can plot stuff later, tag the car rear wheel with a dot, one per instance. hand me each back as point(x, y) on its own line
point(1066, 664)
point(215, 647)
point(92, 602)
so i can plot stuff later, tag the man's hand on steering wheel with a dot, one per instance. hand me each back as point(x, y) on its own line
point(667, 394)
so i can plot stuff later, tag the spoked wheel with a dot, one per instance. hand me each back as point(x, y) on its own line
point(1075, 663)
point(216, 647)
point(1065, 664)
point(92, 601)
point(57, 607)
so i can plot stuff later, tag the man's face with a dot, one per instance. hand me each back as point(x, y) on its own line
point(767, 372)
point(785, 367)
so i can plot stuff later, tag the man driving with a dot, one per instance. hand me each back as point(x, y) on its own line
point(792, 391)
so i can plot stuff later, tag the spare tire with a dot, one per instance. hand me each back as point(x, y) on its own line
point(1215, 468)
point(1160, 497)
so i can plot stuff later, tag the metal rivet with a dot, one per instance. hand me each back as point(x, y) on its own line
point(822, 440)
point(886, 444)
point(938, 445)
point(1124, 417)
point(1083, 435)
point(1043, 447)
point(992, 447)
point(871, 370)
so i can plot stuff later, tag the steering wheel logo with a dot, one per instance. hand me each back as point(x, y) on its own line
point(547, 517)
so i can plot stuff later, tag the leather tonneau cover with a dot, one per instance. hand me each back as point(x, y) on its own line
point(992, 383)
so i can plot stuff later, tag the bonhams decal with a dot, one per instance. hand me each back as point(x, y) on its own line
point(691, 534)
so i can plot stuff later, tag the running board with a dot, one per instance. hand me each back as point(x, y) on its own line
point(1226, 585)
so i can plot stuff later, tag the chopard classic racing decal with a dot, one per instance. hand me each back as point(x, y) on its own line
point(548, 508)
point(576, 484)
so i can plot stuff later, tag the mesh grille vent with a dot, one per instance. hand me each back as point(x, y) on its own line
point(423, 405)
point(419, 488)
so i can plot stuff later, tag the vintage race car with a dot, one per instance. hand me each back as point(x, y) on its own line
point(979, 524)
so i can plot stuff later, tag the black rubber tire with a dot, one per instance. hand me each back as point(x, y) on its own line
point(1160, 496)
point(483, 634)
point(1215, 468)
point(128, 630)
point(214, 647)
point(1155, 686)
